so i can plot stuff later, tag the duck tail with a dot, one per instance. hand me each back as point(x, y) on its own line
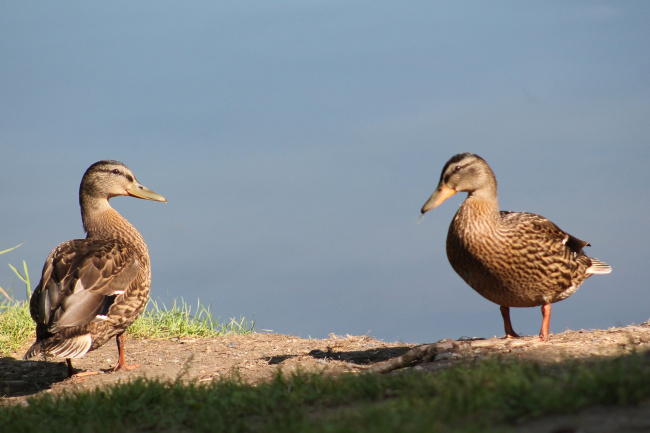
point(33, 351)
point(598, 267)
point(74, 347)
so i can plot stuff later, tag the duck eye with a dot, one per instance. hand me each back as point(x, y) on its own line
point(457, 168)
point(116, 171)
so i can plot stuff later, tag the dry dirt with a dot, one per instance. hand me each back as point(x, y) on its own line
point(257, 358)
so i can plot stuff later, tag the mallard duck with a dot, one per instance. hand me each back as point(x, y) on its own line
point(93, 289)
point(514, 259)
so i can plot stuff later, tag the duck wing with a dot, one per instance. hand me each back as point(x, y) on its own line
point(541, 231)
point(80, 280)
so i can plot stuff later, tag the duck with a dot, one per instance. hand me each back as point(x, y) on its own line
point(93, 289)
point(513, 259)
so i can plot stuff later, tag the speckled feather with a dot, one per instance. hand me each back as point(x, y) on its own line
point(515, 259)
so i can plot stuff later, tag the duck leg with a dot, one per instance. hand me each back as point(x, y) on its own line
point(121, 362)
point(546, 321)
point(505, 313)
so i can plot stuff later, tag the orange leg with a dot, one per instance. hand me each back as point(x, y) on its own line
point(505, 313)
point(546, 321)
point(121, 362)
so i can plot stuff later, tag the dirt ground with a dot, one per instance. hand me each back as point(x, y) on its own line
point(257, 357)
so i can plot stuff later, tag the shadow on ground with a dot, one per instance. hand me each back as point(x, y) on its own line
point(23, 378)
point(361, 357)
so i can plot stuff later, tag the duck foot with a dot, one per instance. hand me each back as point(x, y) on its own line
point(82, 374)
point(123, 367)
point(78, 374)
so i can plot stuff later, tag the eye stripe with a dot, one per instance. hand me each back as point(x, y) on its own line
point(118, 172)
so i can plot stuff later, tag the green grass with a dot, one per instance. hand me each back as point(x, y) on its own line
point(16, 325)
point(477, 398)
point(181, 321)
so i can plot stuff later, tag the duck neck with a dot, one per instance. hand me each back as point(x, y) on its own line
point(479, 210)
point(478, 216)
point(485, 198)
point(101, 221)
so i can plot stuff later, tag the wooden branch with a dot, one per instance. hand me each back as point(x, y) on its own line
point(419, 354)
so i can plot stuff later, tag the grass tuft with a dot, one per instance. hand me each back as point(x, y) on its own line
point(16, 325)
point(180, 321)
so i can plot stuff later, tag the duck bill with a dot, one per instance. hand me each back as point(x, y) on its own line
point(442, 193)
point(141, 191)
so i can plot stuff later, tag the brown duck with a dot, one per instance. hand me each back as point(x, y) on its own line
point(514, 259)
point(93, 289)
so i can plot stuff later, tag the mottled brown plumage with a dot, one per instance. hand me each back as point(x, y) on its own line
point(93, 289)
point(514, 259)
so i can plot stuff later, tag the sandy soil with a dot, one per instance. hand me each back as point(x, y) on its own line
point(257, 358)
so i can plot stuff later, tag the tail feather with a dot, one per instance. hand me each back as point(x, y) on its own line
point(74, 347)
point(598, 267)
point(33, 351)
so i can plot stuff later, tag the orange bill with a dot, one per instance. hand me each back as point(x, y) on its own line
point(442, 193)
